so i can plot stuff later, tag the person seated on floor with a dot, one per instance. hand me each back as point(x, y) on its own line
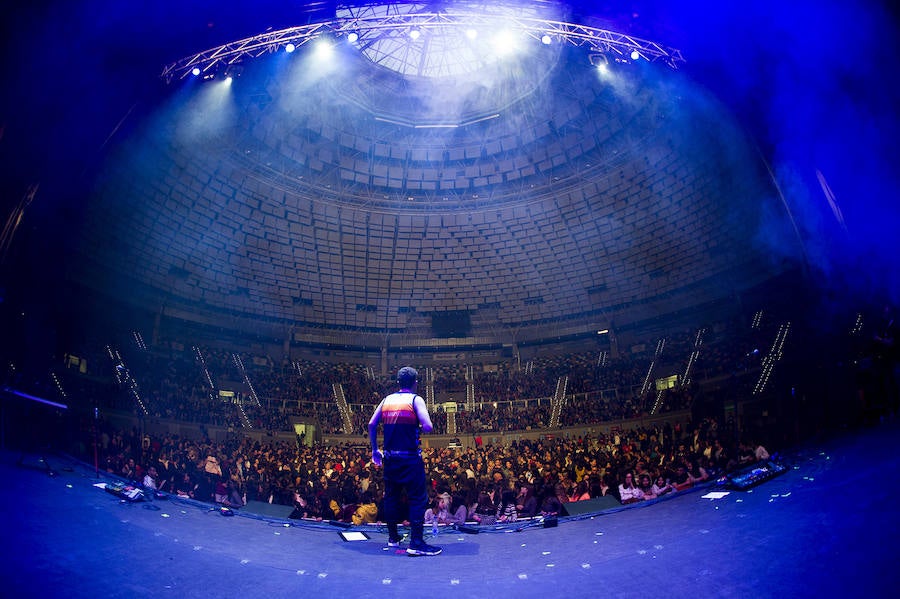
point(645, 485)
point(150, 479)
point(550, 504)
point(604, 486)
point(697, 473)
point(746, 454)
point(221, 492)
point(526, 502)
point(185, 486)
point(129, 470)
point(628, 491)
point(331, 501)
point(366, 512)
point(662, 486)
point(506, 511)
point(485, 510)
point(561, 493)
point(712, 469)
point(302, 507)
point(349, 504)
point(581, 491)
point(681, 480)
point(167, 473)
point(439, 510)
point(459, 512)
point(233, 497)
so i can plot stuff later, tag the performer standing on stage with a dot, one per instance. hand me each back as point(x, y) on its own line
point(403, 415)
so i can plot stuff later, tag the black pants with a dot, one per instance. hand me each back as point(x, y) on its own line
point(405, 473)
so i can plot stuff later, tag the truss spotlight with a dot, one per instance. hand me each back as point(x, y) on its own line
point(324, 49)
point(601, 61)
point(195, 71)
point(635, 55)
point(546, 39)
point(234, 71)
point(290, 48)
point(471, 34)
point(352, 37)
point(415, 33)
point(504, 43)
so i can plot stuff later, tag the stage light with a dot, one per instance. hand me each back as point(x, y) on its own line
point(195, 71)
point(601, 61)
point(414, 34)
point(324, 49)
point(635, 55)
point(290, 48)
point(546, 39)
point(504, 43)
point(232, 72)
point(352, 37)
point(471, 34)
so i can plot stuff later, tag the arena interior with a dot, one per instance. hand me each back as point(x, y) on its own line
point(617, 240)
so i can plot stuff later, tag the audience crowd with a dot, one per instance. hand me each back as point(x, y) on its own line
point(485, 484)
point(241, 390)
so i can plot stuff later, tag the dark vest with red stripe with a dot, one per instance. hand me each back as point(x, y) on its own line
point(401, 425)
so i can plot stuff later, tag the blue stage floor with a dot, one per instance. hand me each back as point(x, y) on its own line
point(826, 528)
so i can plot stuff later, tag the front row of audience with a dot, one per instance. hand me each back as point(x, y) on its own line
point(483, 485)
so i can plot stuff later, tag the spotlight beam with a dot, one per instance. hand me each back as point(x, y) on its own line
point(575, 34)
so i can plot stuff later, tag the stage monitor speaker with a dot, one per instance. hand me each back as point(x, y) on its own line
point(590, 506)
point(272, 510)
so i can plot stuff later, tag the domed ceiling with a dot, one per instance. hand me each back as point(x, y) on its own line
point(529, 196)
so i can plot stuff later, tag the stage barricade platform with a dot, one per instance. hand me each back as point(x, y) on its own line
point(270, 510)
point(590, 506)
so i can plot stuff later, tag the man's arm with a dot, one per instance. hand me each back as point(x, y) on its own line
point(422, 414)
point(373, 434)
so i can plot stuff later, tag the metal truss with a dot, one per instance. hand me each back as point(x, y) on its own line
point(379, 35)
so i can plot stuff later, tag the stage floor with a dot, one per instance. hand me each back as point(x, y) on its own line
point(826, 528)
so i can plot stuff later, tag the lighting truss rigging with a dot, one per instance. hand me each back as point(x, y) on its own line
point(610, 43)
